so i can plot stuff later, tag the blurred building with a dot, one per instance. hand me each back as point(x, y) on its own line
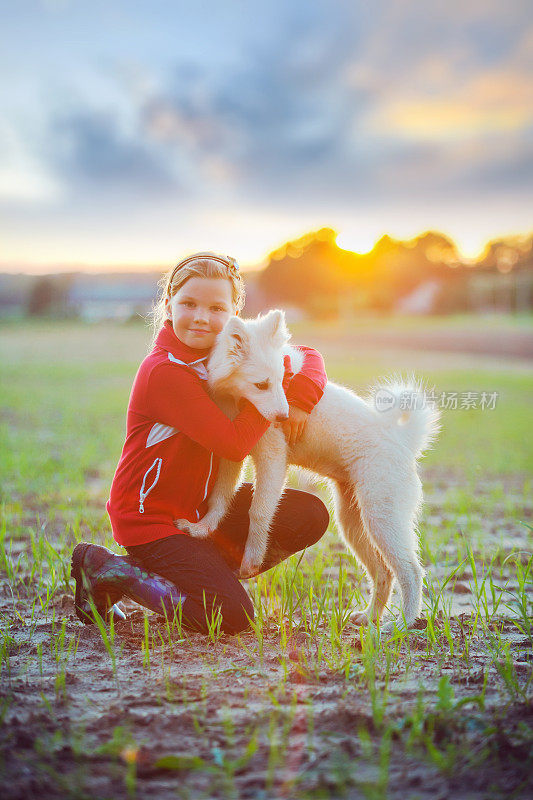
point(508, 292)
point(118, 297)
point(421, 300)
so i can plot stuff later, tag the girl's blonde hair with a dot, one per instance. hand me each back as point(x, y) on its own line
point(199, 265)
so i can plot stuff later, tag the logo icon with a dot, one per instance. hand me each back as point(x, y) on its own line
point(384, 399)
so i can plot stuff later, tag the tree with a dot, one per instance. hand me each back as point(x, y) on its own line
point(48, 296)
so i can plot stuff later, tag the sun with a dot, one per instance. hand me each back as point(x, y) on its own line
point(356, 241)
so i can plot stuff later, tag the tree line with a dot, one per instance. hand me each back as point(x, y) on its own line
point(314, 273)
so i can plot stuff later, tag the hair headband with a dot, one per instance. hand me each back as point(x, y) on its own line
point(228, 262)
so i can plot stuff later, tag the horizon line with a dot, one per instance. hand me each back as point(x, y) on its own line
point(77, 267)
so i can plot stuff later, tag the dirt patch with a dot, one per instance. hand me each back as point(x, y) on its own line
point(281, 713)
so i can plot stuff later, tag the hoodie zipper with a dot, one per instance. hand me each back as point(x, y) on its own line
point(143, 494)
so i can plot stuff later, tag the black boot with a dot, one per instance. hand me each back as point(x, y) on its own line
point(105, 577)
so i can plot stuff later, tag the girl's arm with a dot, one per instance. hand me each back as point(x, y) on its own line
point(307, 386)
point(176, 397)
point(303, 391)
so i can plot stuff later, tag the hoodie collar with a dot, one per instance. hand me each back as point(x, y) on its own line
point(178, 351)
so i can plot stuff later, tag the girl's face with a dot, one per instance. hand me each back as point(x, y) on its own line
point(199, 310)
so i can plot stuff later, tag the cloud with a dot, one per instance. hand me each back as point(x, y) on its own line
point(296, 106)
point(308, 123)
point(24, 178)
point(89, 150)
point(272, 123)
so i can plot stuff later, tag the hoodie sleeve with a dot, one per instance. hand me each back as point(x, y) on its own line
point(177, 397)
point(307, 386)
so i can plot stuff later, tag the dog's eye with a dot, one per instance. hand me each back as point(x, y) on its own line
point(263, 386)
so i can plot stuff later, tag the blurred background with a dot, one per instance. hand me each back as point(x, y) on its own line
point(356, 160)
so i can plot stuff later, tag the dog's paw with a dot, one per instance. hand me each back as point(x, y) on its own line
point(393, 625)
point(182, 524)
point(251, 562)
point(197, 529)
point(360, 618)
point(249, 569)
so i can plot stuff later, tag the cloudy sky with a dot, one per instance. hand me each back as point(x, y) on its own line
point(132, 133)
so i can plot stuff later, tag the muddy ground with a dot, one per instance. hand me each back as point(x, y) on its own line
point(232, 719)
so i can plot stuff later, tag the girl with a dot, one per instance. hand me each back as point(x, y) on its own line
point(175, 437)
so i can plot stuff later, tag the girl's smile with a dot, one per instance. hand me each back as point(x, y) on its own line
point(199, 310)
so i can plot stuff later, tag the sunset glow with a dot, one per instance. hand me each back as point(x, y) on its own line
point(119, 150)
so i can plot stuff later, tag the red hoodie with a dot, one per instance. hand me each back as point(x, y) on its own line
point(176, 436)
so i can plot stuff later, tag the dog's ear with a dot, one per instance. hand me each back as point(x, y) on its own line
point(230, 348)
point(236, 339)
point(277, 328)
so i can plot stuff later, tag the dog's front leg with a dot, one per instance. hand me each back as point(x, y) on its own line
point(270, 462)
point(218, 503)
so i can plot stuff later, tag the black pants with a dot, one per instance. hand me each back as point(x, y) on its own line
point(207, 567)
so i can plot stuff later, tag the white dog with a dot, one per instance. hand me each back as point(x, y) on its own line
point(369, 455)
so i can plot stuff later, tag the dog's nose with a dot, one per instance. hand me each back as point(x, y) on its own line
point(281, 417)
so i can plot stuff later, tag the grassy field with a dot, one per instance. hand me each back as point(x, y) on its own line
point(306, 704)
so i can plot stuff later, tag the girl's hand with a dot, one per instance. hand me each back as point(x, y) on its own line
point(294, 427)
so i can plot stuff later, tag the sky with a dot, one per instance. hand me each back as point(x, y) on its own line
point(134, 133)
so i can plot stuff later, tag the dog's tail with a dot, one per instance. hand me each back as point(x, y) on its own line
point(407, 411)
